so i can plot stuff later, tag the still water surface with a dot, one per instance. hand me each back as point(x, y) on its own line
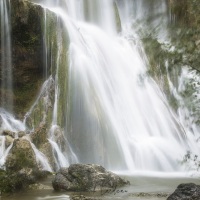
point(142, 187)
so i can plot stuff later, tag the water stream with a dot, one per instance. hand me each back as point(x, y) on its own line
point(6, 101)
point(117, 116)
point(113, 114)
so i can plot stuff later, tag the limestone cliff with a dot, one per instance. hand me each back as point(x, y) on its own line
point(27, 53)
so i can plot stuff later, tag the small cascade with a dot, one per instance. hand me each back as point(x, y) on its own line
point(41, 159)
point(6, 87)
point(188, 107)
point(3, 151)
point(7, 123)
point(63, 154)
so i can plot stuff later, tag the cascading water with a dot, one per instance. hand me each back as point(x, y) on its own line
point(111, 112)
point(117, 116)
point(6, 101)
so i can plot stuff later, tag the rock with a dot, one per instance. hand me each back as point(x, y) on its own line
point(189, 191)
point(40, 135)
point(21, 134)
point(197, 42)
point(11, 181)
point(46, 149)
point(8, 133)
point(21, 165)
point(9, 141)
point(86, 177)
point(21, 156)
point(27, 54)
point(39, 186)
point(82, 197)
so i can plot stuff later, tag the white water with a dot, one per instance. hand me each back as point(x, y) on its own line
point(116, 115)
point(6, 56)
point(7, 122)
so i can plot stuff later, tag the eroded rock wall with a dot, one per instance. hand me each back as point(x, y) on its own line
point(27, 53)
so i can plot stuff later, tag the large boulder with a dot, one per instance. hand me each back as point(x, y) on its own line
point(21, 166)
point(21, 156)
point(189, 191)
point(86, 177)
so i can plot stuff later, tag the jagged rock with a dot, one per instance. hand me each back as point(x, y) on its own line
point(189, 191)
point(86, 177)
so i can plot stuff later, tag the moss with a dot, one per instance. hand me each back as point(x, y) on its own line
point(22, 97)
point(63, 80)
point(20, 157)
point(39, 137)
point(11, 182)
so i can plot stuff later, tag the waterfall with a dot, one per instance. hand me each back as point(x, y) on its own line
point(6, 99)
point(116, 115)
point(106, 109)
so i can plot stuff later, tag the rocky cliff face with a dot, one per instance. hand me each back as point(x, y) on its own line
point(27, 53)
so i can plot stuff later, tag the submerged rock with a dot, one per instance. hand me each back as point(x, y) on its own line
point(189, 191)
point(86, 177)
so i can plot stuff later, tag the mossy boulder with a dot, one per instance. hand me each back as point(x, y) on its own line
point(40, 139)
point(21, 167)
point(21, 156)
point(88, 177)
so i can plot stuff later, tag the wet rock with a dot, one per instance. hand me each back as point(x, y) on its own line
point(40, 135)
point(88, 177)
point(189, 191)
point(27, 55)
point(21, 156)
point(46, 149)
point(39, 186)
point(21, 165)
point(9, 141)
point(25, 178)
point(8, 133)
point(21, 134)
point(27, 41)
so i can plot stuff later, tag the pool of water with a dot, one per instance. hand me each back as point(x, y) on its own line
point(142, 187)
